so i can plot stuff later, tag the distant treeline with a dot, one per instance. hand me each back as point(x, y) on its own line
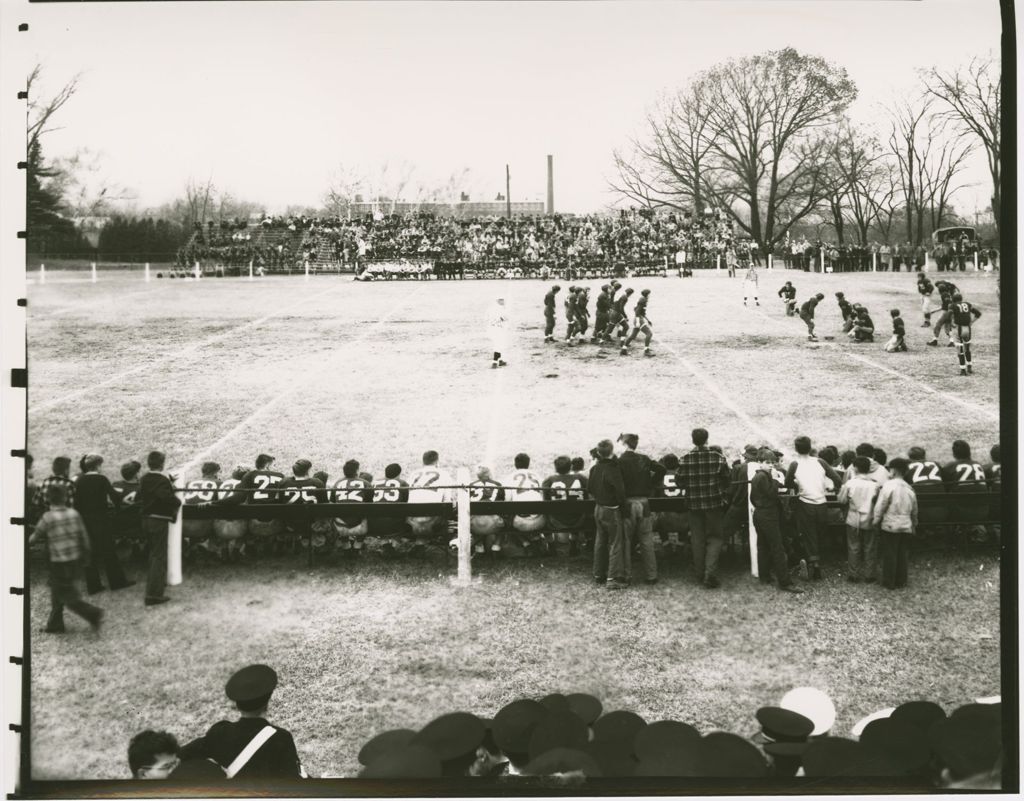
point(143, 239)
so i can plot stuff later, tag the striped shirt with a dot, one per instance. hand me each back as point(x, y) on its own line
point(64, 533)
point(40, 497)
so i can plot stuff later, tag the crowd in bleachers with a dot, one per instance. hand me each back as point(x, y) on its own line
point(572, 740)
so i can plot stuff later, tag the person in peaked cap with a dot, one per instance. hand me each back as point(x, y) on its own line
point(969, 742)
point(382, 743)
point(250, 747)
point(404, 762)
point(454, 738)
point(897, 743)
point(782, 725)
point(814, 704)
point(559, 729)
point(512, 728)
point(922, 714)
point(587, 707)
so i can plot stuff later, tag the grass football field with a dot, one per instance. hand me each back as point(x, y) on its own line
point(330, 369)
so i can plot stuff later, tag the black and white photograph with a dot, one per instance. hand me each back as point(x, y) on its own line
point(492, 398)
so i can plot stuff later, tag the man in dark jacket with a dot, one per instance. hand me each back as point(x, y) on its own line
point(159, 506)
point(93, 495)
point(609, 493)
point(640, 475)
point(249, 748)
point(764, 497)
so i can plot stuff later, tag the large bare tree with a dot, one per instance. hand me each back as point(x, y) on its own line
point(855, 180)
point(971, 97)
point(929, 160)
point(748, 137)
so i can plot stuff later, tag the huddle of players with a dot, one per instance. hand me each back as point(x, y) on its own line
point(954, 313)
point(611, 316)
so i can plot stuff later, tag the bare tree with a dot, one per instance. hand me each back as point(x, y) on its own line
point(854, 180)
point(971, 97)
point(929, 161)
point(42, 110)
point(197, 198)
point(747, 137)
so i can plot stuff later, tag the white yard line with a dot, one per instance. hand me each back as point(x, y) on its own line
point(719, 393)
point(179, 356)
point(311, 377)
point(974, 407)
point(497, 415)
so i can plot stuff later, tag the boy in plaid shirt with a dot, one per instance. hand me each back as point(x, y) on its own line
point(67, 545)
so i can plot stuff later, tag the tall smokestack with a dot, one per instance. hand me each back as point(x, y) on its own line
point(551, 185)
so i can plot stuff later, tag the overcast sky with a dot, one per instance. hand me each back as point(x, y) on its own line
point(268, 98)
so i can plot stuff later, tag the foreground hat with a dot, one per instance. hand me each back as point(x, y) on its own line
point(783, 725)
point(384, 742)
point(899, 742)
point(966, 746)
point(832, 757)
point(514, 724)
point(556, 702)
point(619, 725)
point(922, 714)
point(586, 706)
point(664, 739)
point(858, 727)
point(814, 704)
point(251, 686)
point(557, 730)
point(407, 762)
point(731, 756)
point(451, 736)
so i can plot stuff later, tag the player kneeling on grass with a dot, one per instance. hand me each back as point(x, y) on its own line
point(898, 342)
point(351, 528)
point(863, 327)
point(641, 322)
point(807, 315)
point(566, 485)
point(526, 485)
point(845, 309)
point(486, 529)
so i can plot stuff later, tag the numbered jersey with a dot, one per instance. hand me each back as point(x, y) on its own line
point(669, 487)
point(571, 487)
point(226, 493)
point(127, 491)
point(390, 490)
point(925, 477)
point(426, 485)
point(297, 490)
point(525, 485)
point(351, 490)
point(486, 490)
point(964, 313)
point(201, 490)
point(964, 476)
point(264, 483)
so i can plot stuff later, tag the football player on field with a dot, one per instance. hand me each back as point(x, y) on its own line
point(617, 317)
point(807, 315)
point(925, 479)
point(965, 477)
point(582, 312)
point(845, 308)
point(928, 304)
point(898, 342)
point(604, 304)
point(549, 314)
point(788, 295)
point(486, 528)
point(421, 484)
point(963, 316)
point(565, 485)
point(351, 527)
point(945, 316)
point(526, 485)
point(570, 315)
point(641, 322)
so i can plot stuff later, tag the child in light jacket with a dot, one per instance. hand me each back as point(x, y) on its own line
point(858, 494)
point(896, 516)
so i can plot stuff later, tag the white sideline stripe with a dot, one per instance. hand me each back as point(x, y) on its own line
point(311, 376)
point(184, 354)
point(974, 407)
point(497, 404)
point(719, 393)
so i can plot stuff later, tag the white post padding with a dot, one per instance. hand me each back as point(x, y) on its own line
point(147, 272)
point(174, 539)
point(197, 270)
point(874, 262)
point(93, 268)
point(823, 260)
point(307, 269)
point(975, 261)
point(250, 269)
point(42, 273)
point(718, 261)
point(769, 261)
